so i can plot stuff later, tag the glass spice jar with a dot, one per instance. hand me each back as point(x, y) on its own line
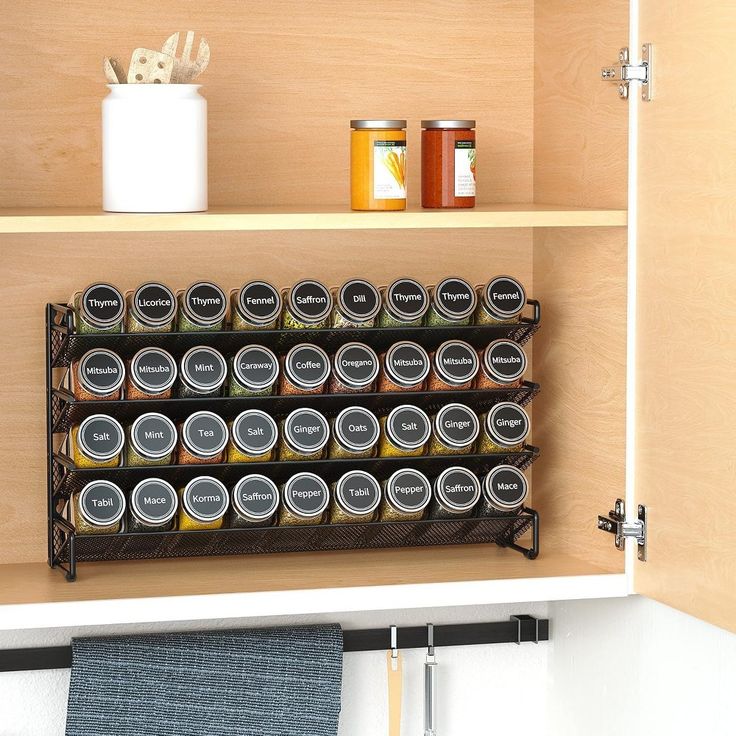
point(151, 308)
point(455, 429)
point(454, 366)
point(505, 427)
point(357, 303)
point(305, 371)
point(152, 439)
point(501, 300)
point(253, 435)
point(256, 306)
point(406, 495)
point(99, 308)
point(253, 371)
point(453, 303)
point(448, 163)
point(405, 302)
point(204, 501)
point(307, 306)
point(202, 308)
point(97, 375)
point(304, 435)
point(405, 366)
point(255, 500)
point(153, 506)
point(98, 508)
point(503, 364)
point(355, 498)
point(203, 372)
point(404, 432)
point(354, 369)
point(305, 498)
point(355, 432)
point(456, 491)
point(152, 374)
point(97, 442)
point(505, 489)
point(202, 439)
point(378, 165)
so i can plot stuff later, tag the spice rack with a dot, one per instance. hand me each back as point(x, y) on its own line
point(66, 548)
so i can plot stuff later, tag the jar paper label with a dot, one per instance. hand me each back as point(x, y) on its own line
point(389, 170)
point(465, 168)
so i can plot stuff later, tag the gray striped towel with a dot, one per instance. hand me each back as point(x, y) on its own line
point(252, 682)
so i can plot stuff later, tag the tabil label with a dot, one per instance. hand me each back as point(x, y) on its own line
point(465, 168)
point(359, 492)
point(102, 503)
point(389, 169)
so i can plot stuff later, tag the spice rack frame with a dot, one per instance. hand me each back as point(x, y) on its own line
point(66, 548)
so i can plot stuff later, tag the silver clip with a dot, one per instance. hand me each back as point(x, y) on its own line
point(394, 648)
point(430, 686)
point(430, 642)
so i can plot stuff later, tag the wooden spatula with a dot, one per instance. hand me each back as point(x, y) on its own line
point(114, 72)
point(187, 70)
point(150, 67)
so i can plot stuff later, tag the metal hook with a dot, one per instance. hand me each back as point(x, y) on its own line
point(394, 648)
point(430, 640)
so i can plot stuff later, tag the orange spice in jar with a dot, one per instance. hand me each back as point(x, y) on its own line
point(405, 366)
point(448, 164)
point(152, 374)
point(503, 364)
point(97, 375)
point(306, 369)
point(454, 366)
point(354, 369)
point(202, 439)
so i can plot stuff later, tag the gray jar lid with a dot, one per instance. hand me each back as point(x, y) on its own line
point(306, 495)
point(457, 489)
point(153, 501)
point(356, 365)
point(204, 303)
point(408, 490)
point(356, 428)
point(203, 368)
point(153, 304)
point(153, 435)
point(454, 298)
point(101, 503)
point(407, 363)
point(507, 424)
point(456, 362)
point(505, 487)
point(309, 301)
point(255, 497)
point(449, 124)
point(101, 371)
point(504, 361)
point(100, 437)
point(358, 300)
point(205, 499)
point(256, 367)
point(153, 370)
point(408, 427)
point(378, 124)
point(102, 305)
point(358, 493)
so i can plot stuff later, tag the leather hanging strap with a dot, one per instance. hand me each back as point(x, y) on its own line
point(394, 677)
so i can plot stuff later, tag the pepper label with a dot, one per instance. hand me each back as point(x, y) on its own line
point(409, 490)
point(389, 170)
point(465, 168)
point(307, 495)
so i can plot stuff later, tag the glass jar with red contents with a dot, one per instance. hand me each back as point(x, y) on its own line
point(448, 164)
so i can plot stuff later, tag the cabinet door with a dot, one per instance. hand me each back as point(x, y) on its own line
point(685, 458)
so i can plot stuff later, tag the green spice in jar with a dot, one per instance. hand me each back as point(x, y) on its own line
point(354, 369)
point(204, 501)
point(501, 300)
point(304, 435)
point(153, 506)
point(152, 374)
point(203, 372)
point(253, 372)
point(505, 427)
point(307, 306)
point(404, 432)
point(98, 375)
point(151, 440)
point(454, 366)
point(97, 442)
point(305, 371)
point(253, 435)
point(202, 308)
point(202, 439)
point(503, 364)
point(356, 304)
point(98, 508)
point(151, 308)
point(305, 498)
point(355, 432)
point(405, 367)
point(454, 430)
point(355, 498)
point(456, 491)
point(255, 500)
point(406, 495)
point(99, 308)
point(505, 489)
point(453, 303)
point(256, 306)
point(405, 303)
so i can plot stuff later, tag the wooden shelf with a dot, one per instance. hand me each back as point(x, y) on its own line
point(322, 218)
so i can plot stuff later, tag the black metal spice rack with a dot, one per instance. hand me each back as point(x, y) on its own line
point(66, 548)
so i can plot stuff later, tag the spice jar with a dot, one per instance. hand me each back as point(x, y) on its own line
point(253, 372)
point(406, 495)
point(202, 308)
point(502, 365)
point(98, 375)
point(404, 432)
point(305, 498)
point(354, 369)
point(454, 365)
point(253, 435)
point(202, 439)
point(152, 374)
point(405, 303)
point(97, 442)
point(99, 308)
point(153, 506)
point(203, 372)
point(448, 163)
point(308, 306)
point(306, 369)
point(355, 498)
point(255, 500)
point(405, 366)
point(505, 427)
point(453, 303)
point(455, 429)
point(151, 440)
point(204, 501)
point(378, 165)
point(304, 435)
point(505, 489)
point(256, 306)
point(151, 308)
point(356, 304)
point(502, 299)
point(98, 508)
point(354, 433)
point(456, 491)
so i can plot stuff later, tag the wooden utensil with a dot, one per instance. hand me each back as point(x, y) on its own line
point(186, 70)
point(395, 681)
point(114, 72)
point(150, 67)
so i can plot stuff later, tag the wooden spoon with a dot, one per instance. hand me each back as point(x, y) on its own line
point(114, 72)
point(185, 70)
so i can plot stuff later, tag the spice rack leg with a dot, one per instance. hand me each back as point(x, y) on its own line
point(533, 552)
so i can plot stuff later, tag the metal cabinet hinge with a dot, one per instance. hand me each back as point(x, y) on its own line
point(624, 73)
point(616, 523)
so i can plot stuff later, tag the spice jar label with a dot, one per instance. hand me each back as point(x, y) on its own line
point(359, 300)
point(307, 365)
point(259, 302)
point(205, 302)
point(310, 301)
point(256, 496)
point(455, 298)
point(153, 435)
point(409, 490)
point(408, 299)
point(203, 368)
point(102, 503)
point(389, 169)
point(407, 363)
point(408, 426)
point(154, 370)
point(101, 371)
point(306, 495)
point(100, 437)
point(254, 432)
point(154, 501)
point(102, 304)
point(256, 367)
point(465, 168)
point(205, 499)
point(505, 296)
point(154, 304)
point(505, 486)
point(458, 489)
point(357, 428)
point(306, 430)
point(457, 425)
point(358, 492)
point(505, 360)
point(205, 434)
point(356, 364)
point(456, 361)
point(508, 423)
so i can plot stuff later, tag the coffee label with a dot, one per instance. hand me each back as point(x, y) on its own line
point(307, 366)
point(259, 302)
point(254, 432)
point(458, 489)
point(205, 499)
point(359, 300)
point(306, 430)
point(153, 435)
point(505, 296)
point(408, 427)
point(102, 305)
point(358, 492)
point(205, 434)
point(508, 423)
point(100, 437)
point(256, 497)
point(154, 304)
point(456, 362)
point(407, 363)
point(102, 503)
point(101, 371)
point(154, 501)
point(205, 303)
point(356, 428)
point(504, 360)
point(356, 365)
point(203, 368)
point(306, 495)
point(310, 301)
point(407, 299)
point(455, 298)
point(409, 490)
point(457, 425)
point(256, 367)
point(153, 370)
point(506, 486)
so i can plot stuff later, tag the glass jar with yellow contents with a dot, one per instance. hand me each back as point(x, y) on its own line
point(405, 367)
point(305, 498)
point(202, 439)
point(505, 489)
point(502, 366)
point(356, 496)
point(97, 442)
point(456, 491)
point(152, 374)
point(255, 500)
point(354, 433)
point(304, 435)
point(406, 495)
point(502, 299)
point(455, 429)
point(153, 506)
point(405, 432)
point(98, 508)
point(97, 376)
point(204, 501)
point(151, 440)
point(256, 306)
point(253, 435)
point(505, 427)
